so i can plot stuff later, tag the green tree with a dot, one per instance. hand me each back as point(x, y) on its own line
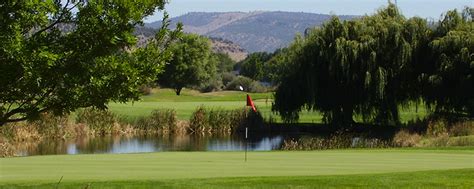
point(253, 66)
point(448, 75)
point(280, 64)
point(363, 67)
point(47, 68)
point(191, 65)
point(224, 62)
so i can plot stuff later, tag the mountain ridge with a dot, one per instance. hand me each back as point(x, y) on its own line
point(254, 31)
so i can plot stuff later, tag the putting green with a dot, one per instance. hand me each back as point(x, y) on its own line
point(184, 165)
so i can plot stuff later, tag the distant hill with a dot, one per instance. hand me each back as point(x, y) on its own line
point(253, 31)
point(219, 45)
point(234, 51)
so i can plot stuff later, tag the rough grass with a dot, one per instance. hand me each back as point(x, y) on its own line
point(190, 100)
point(143, 168)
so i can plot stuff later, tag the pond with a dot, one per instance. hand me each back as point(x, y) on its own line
point(156, 143)
point(150, 143)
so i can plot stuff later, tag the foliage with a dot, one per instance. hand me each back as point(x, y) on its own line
point(192, 63)
point(238, 81)
point(218, 81)
point(254, 66)
point(280, 65)
point(91, 63)
point(248, 84)
point(224, 62)
point(212, 85)
point(448, 76)
point(369, 67)
point(227, 77)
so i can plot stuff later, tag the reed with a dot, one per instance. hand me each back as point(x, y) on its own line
point(218, 121)
point(338, 140)
point(462, 128)
point(160, 122)
point(405, 138)
point(100, 122)
point(6, 149)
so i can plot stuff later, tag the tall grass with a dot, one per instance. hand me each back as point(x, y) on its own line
point(438, 132)
point(161, 121)
point(339, 140)
point(98, 121)
point(54, 126)
point(6, 149)
point(218, 121)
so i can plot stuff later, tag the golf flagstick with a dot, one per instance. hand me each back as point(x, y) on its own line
point(246, 136)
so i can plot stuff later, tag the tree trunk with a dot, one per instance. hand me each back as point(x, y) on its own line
point(178, 91)
point(342, 116)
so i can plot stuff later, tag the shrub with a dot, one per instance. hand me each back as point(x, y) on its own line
point(227, 77)
point(238, 81)
point(212, 85)
point(257, 87)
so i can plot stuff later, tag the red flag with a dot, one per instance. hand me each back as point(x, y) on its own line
point(250, 103)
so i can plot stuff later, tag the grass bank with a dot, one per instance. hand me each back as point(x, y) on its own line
point(161, 167)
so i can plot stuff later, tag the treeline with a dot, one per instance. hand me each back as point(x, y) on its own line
point(371, 66)
point(193, 64)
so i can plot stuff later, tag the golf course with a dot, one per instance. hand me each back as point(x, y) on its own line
point(236, 94)
point(393, 167)
point(190, 100)
point(299, 169)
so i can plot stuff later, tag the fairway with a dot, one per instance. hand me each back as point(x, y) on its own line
point(198, 165)
point(190, 100)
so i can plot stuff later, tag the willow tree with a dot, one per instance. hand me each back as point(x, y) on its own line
point(58, 56)
point(362, 67)
point(448, 75)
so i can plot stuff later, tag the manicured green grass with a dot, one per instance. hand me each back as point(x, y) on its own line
point(160, 167)
point(457, 178)
point(190, 100)
point(187, 95)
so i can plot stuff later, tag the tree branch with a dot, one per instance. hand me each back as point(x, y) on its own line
point(5, 117)
point(59, 20)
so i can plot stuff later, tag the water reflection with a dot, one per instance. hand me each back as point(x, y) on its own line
point(141, 144)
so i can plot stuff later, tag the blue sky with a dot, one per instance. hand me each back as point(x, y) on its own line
point(423, 8)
